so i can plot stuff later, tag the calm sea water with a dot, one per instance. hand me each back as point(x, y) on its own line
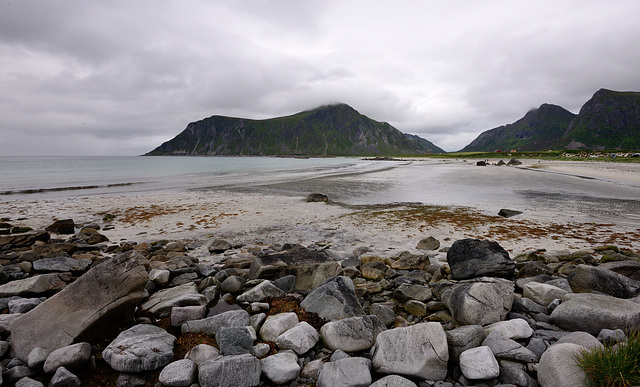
point(38, 177)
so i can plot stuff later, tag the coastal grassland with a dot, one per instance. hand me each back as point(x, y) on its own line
point(613, 365)
point(472, 223)
point(622, 156)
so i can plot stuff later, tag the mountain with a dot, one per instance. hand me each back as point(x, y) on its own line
point(539, 129)
point(332, 130)
point(609, 120)
point(426, 145)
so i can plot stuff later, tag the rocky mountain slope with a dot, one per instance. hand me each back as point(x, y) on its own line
point(609, 120)
point(333, 130)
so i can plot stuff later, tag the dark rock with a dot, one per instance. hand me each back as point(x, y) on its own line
point(211, 325)
point(534, 268)
point(317, 197)
point(589, 278)
point(219, 246)
point(506, 213)
point(429, 243)
point(108, 292)
point(61, 264)
point(471, 258)
point(462, 338)
point(65, 226)
point(481, 163)
point(514, 161)
point(234, 341)
point(23, 240)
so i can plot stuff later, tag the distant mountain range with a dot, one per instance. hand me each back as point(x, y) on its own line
point(609, 120)
point(333, 130)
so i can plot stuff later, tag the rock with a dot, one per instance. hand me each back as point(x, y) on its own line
point(260, 292)
point(348, 372)
point(211, 325)
point(416, 308)
point(219, 246)
point(37, 357)
point(462, 338)
point(281, 368)
point(131, 380)
point(23, 305)
point(234, 341)
point(301, 338)
point(416, 351)
point(472, 258)
point(140, 348)
point(64, 378)
point(287, 283)
point(558, 368)
point(180, 373)
point(612, 336)
point(233, 284)
point(71, 357)
point(108, 292)
point(420, 293)
point(527, 305)
point(408, 261)
point(28, 382)
point(534, 268)
point(481, 163)
point(481, 301)
point(33, 286)
point(351, 334)
point(277, 324)
point(159, 276)
point(593, 312)
point(312, 369)
point(16, 373)
point(428, 243)
point(393, 381)
point(65, 226)
point(512, 329)
point(311, 268)
point(333, 300)
point(51, 250)
point(23, 240)
point(384, 312)
point(182, 314)
point(237, 371)
point(317, 197)
point(202, 353)
point(514, 374)
point(514, 161)
point(506, 213)
point(479, 364)
point(587, 278)
point(505, 348)
point(61, 264)
point(161, 302)
point(581, 338)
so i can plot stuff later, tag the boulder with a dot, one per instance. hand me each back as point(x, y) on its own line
point(515, 329)
point(587, 278)
point(61, 264)
point(404, 293)
point(593, 312)
point(161, 302)
point(211, 325)
point(140, 348)
point(277, 324)
point(393, 381)
point(333, 300)
point(72, 357)
point(408, 261)
point(234, 340)
point(479, 302)
point(202, 353)
point(347, 372)
point(514, 161)
point(581, 338)
point(479, 364)
point(472, 258)
point(311, 268)
point(159, 276)
point(237, 371)
point(64, 226)
point(182, 314)
point(23, 305)
point(233, 284)
point(462, 338)
point(64, 378)
point(534, 268)
point(37, 357)
point(352, 334)
point(219, 246)
point(543, 294)
point(281, 368)
point(108, 292)
point(419, 351)
point(33, 286)
point(301, 338)
point(317, 198)
point(428, 243)
point(27, 382)
point(180, 373)
point(505, 348)
point(558, 368)
point(261, 291)
point(507, 213)
point(23, 240)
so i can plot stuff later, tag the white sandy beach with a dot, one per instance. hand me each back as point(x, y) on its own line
point(267, 218)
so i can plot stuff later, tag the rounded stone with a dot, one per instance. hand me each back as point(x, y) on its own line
point(180, 373)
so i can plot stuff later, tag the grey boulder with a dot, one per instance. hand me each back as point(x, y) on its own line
point(64, 378)
point(589, 278)
point(479, 364)
point(61, 264)
point(211, 325)
point(237, 371)
point(234, 341)
point(261, 291)
point(301, 338)
point(71, 357)
point(333, 300)
point(393, 381)
point(281, 367)
point(277, 324)
point(180, 373)
point(140, 348)
point(161, 302)
point(347, 372)
point(558, 368)
point(462, 338)
point(481, 301)
point(505, 348)
point(472, 258)
point(352, 334)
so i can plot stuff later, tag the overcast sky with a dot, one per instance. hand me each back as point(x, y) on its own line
point(119, 77)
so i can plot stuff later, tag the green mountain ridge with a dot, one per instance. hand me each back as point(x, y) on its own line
point(331, 130)
point(609, 120)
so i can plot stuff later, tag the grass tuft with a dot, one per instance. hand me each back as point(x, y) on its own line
point(613, 366)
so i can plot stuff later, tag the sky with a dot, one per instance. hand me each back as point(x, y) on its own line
point(120, 77)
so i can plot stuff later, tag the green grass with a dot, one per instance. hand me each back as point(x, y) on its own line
point(613, 366)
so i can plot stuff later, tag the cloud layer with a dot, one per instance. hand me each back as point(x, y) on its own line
point(121, 77)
